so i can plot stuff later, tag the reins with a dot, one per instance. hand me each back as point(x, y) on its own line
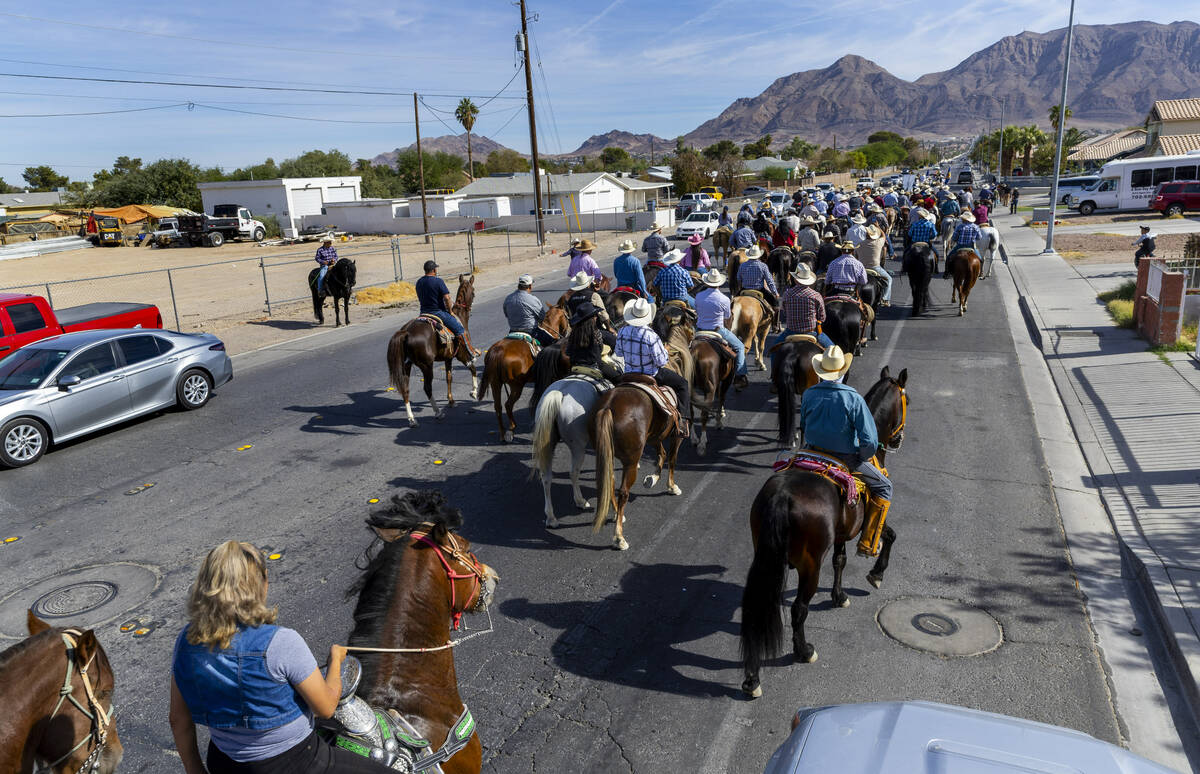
point(94, 712)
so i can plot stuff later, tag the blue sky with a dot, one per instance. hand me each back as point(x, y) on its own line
point(637, 65)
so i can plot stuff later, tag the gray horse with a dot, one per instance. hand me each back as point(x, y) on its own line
point(561, 415)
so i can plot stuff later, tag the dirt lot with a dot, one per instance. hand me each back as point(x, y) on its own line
point(1111, 248)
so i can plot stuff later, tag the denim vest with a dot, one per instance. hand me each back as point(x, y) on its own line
point(232, 688)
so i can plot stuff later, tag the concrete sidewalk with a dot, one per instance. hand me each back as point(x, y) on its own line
point(1136, 419)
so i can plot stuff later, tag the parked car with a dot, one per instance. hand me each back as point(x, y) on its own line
point(715, 191)
point(702, 200)
point(864, 182)
point(754, 190)
point(921, 736)
point(1175, 198)
point(77, 383)
point(823, 187)
point(703, 223)
point(25, 319)
point(780, 201)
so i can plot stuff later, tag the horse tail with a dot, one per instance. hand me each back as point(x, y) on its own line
point(545, 372)
point(396, 354)
point(762, 626)
point(490, 365)
point(544, 429)
point(784, 378)
point(604, 466)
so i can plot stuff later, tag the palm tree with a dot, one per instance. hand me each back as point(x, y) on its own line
point(1030, 137)
point(465, 113)
point(1053, 112)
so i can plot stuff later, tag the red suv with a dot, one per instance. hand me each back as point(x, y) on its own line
point(1174, 198)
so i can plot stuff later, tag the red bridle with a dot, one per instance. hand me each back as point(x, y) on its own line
point(464, 558)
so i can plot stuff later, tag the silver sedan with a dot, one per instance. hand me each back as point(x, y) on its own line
point(67, 386)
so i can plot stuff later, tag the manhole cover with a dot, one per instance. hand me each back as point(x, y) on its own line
point(945, 627)
point(86, 596)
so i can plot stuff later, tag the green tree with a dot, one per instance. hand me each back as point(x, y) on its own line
point(688, 171)
point(720, 150)
point(854, 160)
point(679, 144)
point(614, 158)
point(506, 160)
point(725, 158)
point(827, 158)
point(758, 148)
point(1029, 138)
point(465, 113)
point(268, 170)
point(6, 188)
point(43, 178)
point(167, 181)
point(316, 163)
point(1053, 113)
point(799, 149)
point(776, 174)
point(884, 136)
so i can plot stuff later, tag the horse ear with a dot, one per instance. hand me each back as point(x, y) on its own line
point(903, 378)
point(86, 646)
point(885, 374)
point(35, 624)
point(388, 534)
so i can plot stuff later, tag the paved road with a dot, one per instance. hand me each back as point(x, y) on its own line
point(618, 661)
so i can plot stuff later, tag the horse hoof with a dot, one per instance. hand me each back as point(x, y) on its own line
point(875, 580)
point(675, 490)
point(650, 481)
point(585, 505)
point(440, 415)
point(844, 602)
point(508, 436)
point(551, 522)
point(701, 449)
point(754, 692)
point(474, 396)
point(412, 423)
point(811, 658)
point(620, 544)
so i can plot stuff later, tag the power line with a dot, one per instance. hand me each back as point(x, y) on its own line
point(520, 109)
point(546, 91)
point(96, 113)
point(294, 118)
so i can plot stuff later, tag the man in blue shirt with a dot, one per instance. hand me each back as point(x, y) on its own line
point(835, 420)
point(966, 234)
point(674, 282)
point(742, 238)
point(714, 312)
point(435, 300)
point(949, 207)
point(627, 269)
point(655, 245)
point(924, 230)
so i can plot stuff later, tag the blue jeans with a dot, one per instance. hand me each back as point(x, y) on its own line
point(887, 290)
point(450, 320)
point(321, 278)
point(822, 339)
point(878, 484)
point(738, 347)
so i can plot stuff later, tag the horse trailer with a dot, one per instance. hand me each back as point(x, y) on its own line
point(1129, 184)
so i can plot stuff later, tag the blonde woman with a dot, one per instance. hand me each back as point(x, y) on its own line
point(255, 685)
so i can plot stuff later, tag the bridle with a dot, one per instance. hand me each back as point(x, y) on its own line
point(465, 559)
point(894, 441)
point(101, 721)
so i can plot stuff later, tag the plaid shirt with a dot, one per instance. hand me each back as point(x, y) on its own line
point(803, 308)
point(326, 256)
point(922, 231)
point(674, 282)
point(967, 234)
point(846, 271)
point(641, 349)
point(754, 275)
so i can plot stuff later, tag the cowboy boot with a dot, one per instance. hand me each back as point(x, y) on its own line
point(465, 339)
point(872, 531)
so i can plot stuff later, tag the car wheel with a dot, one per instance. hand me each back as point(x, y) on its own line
point(216, 239)
point(194, 389)
point(1087, 208)
point(23, 442)
point(1173, 209)
point(259, 235)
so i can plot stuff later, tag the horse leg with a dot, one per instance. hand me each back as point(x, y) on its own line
point(652, 478)
point(628, 477)
point(505, 432)
point(839, 564)
point(346, 305)
point(548, 479)
point(337, 312)
point(802, 650)
point(318, 307)
point(875, 576)
point(412, 422)
point(577, 454)
point(474, 377)
point(427, 372)
point(676, 442)
point(514, 394)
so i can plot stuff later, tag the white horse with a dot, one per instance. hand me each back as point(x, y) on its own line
point(561, 415)
point(988, 248)
point(946, 233)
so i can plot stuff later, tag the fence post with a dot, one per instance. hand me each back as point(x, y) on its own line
point(396, 258)
point(266, 287)
point(433, 241)
point(508, 240)
point(471, 249)
point(174, 303)
point(49, 298)
point(593, 225)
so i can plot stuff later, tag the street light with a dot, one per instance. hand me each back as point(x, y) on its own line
point(1062, 124)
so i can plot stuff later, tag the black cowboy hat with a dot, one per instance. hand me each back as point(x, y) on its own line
point(584, 311)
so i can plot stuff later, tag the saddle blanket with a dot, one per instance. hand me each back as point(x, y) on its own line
point(590, 376)
point(663, 397)
point(440, 327)
point(655, 264)
point(627, 289)
point(718, 341)
point(830, 468)
point(534, 347)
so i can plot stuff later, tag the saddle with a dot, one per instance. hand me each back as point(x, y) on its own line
point(868, 313)
point(654, 263)
point(852, 487)
point(662, 397)
point(757, 295)
point(718, 343)
point(534, 347)
point(439, 327)
point(627, 289)
point(590, 376)
point(679, 302)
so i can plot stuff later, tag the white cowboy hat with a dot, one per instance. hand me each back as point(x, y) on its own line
point(929, 216)
point(831, 363)
point(713, 278)
point(627, 246)
point(874, 208)
point(639, 313)
point(804, 275)
point(673, 257)
point(874, 232)
point(968, 217)
point(581, 281)
point(857, 219)
point(753, 252)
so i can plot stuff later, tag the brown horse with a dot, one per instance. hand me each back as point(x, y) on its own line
point(509, 363)
point(57, 689)
point(418, 343)
point(796, 518)
point(720, 242)
point(410, 600)
point(964, 267)
point(751, 324)
point(732, 265)
point(792, 373)
point(712, 376)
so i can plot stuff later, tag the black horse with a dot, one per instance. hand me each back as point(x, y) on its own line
point(844, 323)
point(781, 262)
point(871, 294)
point(919, 263)
point(339, 283)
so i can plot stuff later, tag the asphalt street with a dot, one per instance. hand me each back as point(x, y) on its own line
point(603, 660)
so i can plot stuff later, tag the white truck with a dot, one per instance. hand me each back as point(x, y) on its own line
point(228, 221)
point(1128, 184)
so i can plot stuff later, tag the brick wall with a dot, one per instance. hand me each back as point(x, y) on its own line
point(1158, 321)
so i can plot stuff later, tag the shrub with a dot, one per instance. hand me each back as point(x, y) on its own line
point(1123, 292)
point(1121, 311)
point(271, 224)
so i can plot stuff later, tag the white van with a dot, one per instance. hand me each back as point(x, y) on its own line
point(1129, 184)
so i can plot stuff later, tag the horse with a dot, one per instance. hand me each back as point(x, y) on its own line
point(963, 265)
point(792, 374)
point(712, 376)
point(509, 363)
point(57, 687)
point(418, 343)
point(919, 262)
point(946, 233)
point(720, 242)
point(410, 597)
point(562, 415)
point(988, 247)
point(844, 323)
point(795, 519)
point(781, 262)
point(871, 294)
point(615, 305)
point(339, 284)
point(732, 265)
point(750, 324)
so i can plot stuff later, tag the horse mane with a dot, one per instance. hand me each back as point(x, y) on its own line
point(415, 509)
point(9, 654)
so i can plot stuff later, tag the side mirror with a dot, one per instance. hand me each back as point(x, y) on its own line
point(67, 382)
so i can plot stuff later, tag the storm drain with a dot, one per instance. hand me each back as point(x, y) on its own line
point(944, 627)
point(86, 596)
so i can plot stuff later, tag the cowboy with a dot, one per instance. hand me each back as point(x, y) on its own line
point(870, 255)
point(743, 237)
point(587, 340)
point(525, 311)
point(745, 215)
point(326, 258)
point(949, 207)
point(966, 234)
point(878, 218)
point(827, 251)
point(890, 199)
point(753, 274)
point(674, 282)
point(583, 290)
point(810, 211)
point(714, 312)
point(573, 251)
point(1013, 196)
point(627, 269)
point(791, 219)
point(435, 300)
point(725, 220)
point(584, 262)
point(923, 230)
point(822, 206)
point(981, 213)
point(857, 232)
point(643, 352)
point(846, 274)
point(1144, 243)
point(808, 238)
point(803, 310)
point(655, 244)
point(841, 209)
point(835, 420)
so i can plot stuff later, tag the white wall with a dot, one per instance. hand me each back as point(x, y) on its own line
point(360, 219)
point(268, 199)
point(278, 197)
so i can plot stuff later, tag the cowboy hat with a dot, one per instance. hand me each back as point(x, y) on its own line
point(586, 246)
point(874, 232)
point(753, 253)
point(968, 217)
point(848, 246)
point(695, 239)
point(713, 278)
point(829, 235)
point(581, 281)
point(831, 363)
point(671, 258)
point(804, 275)
point(638, 313)
point(627, 246)
point(857, 219)
point(929, 216)
point(874, 208)
point(656, 230)
point(327, 239)
point(584, 311)
point(575, 241)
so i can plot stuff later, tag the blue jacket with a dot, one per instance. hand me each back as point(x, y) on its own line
point(833, 416)
point(741, 238)
point(627, 270)
point(232, 688)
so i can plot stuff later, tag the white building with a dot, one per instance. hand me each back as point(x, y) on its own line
point(761, 164)
point(581, 193)
point(289, 199)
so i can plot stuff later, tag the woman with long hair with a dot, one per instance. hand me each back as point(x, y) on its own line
point(255, 685)
point(585, 346)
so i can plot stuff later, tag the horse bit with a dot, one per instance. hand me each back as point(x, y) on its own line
point(100, 721)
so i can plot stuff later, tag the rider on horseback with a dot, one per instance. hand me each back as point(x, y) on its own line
point(435, 300)
point(326, 257)
point(525, 311)
point(714, 313)
point(655, 245)
point(836, 421)
point(846, 274)
point(803, 311)
point(753, 274)
point(643, 352)
point(674, 282)
point(966, 234)
point(627, 269)
point(583, 291)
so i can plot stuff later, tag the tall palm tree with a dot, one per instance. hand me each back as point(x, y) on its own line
point(1030, 138)
point(1053, 112)
point(466, 113)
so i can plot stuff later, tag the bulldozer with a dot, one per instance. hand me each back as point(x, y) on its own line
point(103, 230)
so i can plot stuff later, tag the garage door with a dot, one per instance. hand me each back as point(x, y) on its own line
point(339, 193)
point(306, 201)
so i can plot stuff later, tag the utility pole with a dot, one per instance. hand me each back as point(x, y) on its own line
point(533, 151)
point(1062, 124)
point(652, 151)
point(1000, 161)
point(421, 170)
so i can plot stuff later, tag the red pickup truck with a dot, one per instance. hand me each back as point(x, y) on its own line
point(25, 319)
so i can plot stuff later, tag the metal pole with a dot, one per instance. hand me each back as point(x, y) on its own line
point(49, 298)
point(471, 251)
point(593, 225)
point(395, 264)
point(1062, 124)
point(533, 149)
point(431, 239)
point(421, 169)
point(508, 240)
point(266, 288)
point(174, 303)
point(1000, 160)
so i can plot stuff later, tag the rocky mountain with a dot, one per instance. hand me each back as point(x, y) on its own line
point(1117, 71)
point(448, 143)
point(638, 144)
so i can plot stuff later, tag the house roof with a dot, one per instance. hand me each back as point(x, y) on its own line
point(523, 184)
point(42, 199)
point(290, 181)
point(634, 184)
point(1175, 110)
point(1177, 144)
point(1106, 146)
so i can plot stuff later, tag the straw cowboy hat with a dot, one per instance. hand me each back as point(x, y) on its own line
point(639, 313)
point(804, 275)
point(874, 232)
point(857, 219)
point(713, 278)
point(656, 230)
point(753, 253)
point(829, 235)
point(673, 257)
point(586, 246)
point(695, 239)
point(848, 246)
point(968, 217)
point(929, 216)
point(627, 246)
point(831, 364)
point(874, 208)
point(581, 281)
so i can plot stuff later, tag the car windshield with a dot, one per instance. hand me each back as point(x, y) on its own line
point(697, 216)
point(26, 369)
